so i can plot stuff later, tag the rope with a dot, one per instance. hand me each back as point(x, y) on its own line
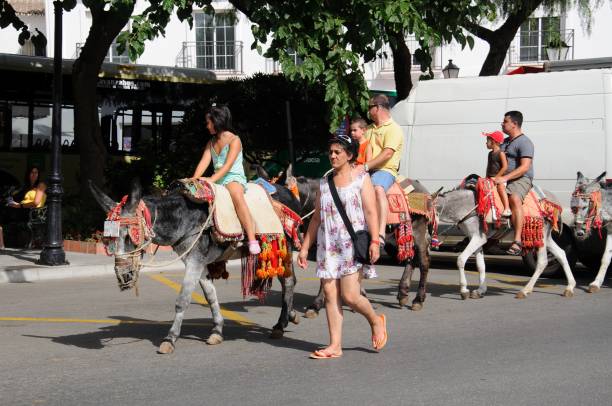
point(204, 227)
point(307, 215)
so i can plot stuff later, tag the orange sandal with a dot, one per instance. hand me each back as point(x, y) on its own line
point(383, 341)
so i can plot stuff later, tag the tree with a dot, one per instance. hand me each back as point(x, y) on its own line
point(516, 12)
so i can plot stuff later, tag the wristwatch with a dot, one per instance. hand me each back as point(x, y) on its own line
point(365, 166)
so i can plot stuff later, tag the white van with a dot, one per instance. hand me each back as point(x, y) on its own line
point(567, 115)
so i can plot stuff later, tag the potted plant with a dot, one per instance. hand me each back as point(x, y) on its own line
point(556, 49)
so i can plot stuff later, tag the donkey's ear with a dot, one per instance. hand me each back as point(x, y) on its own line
point(135, 193)
point(601, 177)
point(103, 200)
point(289, 171)
point(579, 176)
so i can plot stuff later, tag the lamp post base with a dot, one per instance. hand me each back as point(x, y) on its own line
point(53, 256)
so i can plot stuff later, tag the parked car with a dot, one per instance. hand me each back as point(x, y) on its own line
point(568, 116)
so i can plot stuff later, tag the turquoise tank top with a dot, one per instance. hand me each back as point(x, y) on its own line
point(236, 172)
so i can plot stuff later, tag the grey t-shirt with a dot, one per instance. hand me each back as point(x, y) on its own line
point(519, 147)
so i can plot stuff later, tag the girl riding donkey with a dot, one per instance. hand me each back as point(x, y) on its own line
point(227, 163)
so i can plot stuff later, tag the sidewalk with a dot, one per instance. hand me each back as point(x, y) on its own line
point(19, 265)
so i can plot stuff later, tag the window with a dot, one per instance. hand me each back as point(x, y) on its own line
point(114, 56)
point(215, 41)
point(534, 35)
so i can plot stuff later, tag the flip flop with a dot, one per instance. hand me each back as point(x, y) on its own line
point(515, 251)
point(320, 354)
point(382, 344)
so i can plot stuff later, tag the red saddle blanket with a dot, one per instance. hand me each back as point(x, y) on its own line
point(490, 207)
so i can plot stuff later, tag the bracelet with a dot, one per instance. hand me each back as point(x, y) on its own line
point(375, 242)
point(365, 166)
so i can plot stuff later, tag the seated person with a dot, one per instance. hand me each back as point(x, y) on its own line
point(32, 195)
point(358, 130)
point(497, 164)
point(386, 139)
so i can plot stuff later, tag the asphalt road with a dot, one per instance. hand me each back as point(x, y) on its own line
point(82, 342)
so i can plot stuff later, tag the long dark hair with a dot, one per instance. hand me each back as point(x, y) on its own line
point(221, 118)
point(26, 179)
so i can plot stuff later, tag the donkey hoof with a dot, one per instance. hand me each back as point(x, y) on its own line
point(568, 293)
point(311, 313)
point(465, 295)
point(521, 295)
point(594, 289)
point(166, 348)
point(295, 319)
point(475, 295)
point(214, 339)
point(403, 301)
point(416, 306)
point(277, 333)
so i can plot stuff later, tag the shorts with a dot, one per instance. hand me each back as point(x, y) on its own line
point(383, 179)
point(519, 187)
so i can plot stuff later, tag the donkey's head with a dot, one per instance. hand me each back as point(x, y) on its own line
point(126, 232)
point(586, 204)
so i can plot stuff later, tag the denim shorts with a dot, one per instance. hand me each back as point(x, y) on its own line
point(383, 179)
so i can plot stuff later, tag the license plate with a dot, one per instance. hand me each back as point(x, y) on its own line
point(111, 228)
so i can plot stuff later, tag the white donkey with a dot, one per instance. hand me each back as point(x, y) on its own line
point(592, 207)
point(458, 207)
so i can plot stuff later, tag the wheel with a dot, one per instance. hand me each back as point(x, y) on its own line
point(590, 251)
point(554, 269)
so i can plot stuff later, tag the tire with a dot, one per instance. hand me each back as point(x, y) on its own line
point(554, 269)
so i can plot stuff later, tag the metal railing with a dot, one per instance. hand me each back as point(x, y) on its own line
point(529, 47)
point(385, 61)
point(218, 56)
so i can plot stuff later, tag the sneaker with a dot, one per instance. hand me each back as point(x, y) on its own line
point(507, 213)
point(254, 247)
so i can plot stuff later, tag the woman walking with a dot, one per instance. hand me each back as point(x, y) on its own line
point(336, 265)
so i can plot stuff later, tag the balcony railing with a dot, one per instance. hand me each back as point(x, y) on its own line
point(218, 56)
point(385, 63)
point(529, 47)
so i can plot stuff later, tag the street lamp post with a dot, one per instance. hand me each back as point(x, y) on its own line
point(450, 71)
point(53, 251)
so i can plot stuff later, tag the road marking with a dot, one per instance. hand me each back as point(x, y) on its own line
point(227, 314)
point(95, 321)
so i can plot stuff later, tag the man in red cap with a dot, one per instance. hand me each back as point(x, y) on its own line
point(497, 164)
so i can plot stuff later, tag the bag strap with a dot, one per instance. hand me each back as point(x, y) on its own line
point(340, 206)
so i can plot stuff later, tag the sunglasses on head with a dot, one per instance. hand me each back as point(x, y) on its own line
point(344, 138)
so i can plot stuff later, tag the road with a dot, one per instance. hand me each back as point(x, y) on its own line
point(82, 342)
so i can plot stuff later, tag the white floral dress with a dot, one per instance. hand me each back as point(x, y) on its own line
point(335, 256)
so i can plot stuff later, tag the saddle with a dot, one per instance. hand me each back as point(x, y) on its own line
point(403, 203)
point(535, 210)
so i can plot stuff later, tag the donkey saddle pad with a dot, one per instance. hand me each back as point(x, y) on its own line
point(226, 220)
point(531, 207)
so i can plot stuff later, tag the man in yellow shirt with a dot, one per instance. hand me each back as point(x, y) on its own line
point(386, 138)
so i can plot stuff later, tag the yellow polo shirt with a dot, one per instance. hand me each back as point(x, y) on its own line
point(387, 135)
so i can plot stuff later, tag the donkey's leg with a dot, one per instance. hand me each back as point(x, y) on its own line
point(403, 288)
point(312, 311)
point(193, 271)
point(477, 240)
point(423, 258)
point(210, 293)
point(605, 262)
point(542, 261)
point(482, 276)
point(287, 312)
point(558, 252)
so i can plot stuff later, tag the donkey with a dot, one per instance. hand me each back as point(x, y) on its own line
point(422, 239)
point(592, 207)
point(457, 207)
point(180, 223)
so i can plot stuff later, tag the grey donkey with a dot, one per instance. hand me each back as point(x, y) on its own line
point(177, 222)
point(592, 206)
point(457, 207)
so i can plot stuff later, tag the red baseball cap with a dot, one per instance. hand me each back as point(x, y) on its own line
point(496, 136)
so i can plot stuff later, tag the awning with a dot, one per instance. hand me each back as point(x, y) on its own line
point(525, 69)
point(28, 7)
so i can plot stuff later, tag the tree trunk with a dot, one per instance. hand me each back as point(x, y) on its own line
point(106, 25)
point(402, 65)
point(498, 49)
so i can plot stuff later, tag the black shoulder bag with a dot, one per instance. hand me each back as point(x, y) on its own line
point(361, 239)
